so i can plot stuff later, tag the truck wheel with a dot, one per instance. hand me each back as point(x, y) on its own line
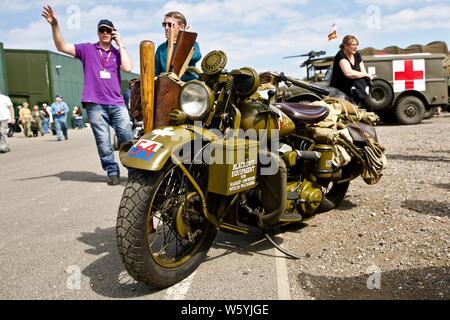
point(409, 110)
point(381, 95)
point(430, 113)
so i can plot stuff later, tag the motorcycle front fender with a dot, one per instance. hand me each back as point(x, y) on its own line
point(152, 151)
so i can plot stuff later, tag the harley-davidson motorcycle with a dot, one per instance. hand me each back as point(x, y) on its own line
point(233, 157)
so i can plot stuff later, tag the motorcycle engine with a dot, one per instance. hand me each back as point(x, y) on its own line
point(311, 196)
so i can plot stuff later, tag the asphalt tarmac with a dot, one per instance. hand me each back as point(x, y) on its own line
point(57, 240)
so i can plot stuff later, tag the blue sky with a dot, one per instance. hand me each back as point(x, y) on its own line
point(255, 33)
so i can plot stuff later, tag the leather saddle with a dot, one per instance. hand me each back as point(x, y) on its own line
point(303, 112)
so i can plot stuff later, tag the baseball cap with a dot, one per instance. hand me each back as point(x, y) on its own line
point(106, 23)
point(58, 96)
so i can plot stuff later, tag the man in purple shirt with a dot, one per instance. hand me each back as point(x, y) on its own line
point(102, 97)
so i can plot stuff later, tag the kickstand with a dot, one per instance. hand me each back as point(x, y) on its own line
point(280, 248)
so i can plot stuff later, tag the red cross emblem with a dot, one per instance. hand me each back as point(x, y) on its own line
point(410, 73)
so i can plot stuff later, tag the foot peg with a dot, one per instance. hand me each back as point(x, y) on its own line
point(293, 196)
point(290, 218)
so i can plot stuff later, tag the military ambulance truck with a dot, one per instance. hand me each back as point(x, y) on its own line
point(408, 85)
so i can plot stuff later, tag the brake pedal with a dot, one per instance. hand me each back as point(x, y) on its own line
point(293, 196)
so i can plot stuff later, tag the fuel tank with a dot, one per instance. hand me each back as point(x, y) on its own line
point(256, 115)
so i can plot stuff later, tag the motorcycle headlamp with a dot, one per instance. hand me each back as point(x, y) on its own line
point(246, 81)
point(196, 99)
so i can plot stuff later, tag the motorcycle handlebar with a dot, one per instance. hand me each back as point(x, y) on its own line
point(194, 70)
point(300, 83)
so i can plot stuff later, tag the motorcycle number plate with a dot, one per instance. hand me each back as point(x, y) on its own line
point(144, 149)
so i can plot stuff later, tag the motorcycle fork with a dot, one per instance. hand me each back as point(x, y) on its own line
point(207, 215)
point(211, 218)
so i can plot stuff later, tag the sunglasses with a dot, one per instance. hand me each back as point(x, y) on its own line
point(103, 30)
point(168, 24)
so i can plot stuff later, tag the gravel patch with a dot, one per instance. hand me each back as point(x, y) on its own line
point(390, 240)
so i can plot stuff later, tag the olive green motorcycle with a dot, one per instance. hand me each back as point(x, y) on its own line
point(235, 158)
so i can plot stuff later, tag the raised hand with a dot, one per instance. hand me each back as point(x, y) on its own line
point(117, 37)
point(50, 16)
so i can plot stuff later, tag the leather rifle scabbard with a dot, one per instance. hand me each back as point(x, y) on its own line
point(185, 42)
point(166, 100)
point(135, 99)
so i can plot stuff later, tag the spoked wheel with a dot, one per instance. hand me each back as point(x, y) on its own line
point(162, 233)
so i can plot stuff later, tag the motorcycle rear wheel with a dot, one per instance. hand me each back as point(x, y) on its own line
point(149, 241)
point(334, 195)
point(337, 192)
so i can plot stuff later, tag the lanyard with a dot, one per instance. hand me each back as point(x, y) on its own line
point(104, 64)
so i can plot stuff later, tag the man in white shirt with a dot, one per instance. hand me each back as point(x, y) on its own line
point(6, 116)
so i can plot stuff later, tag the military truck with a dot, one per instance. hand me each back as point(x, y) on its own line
point(408, 85)
point(317, 71)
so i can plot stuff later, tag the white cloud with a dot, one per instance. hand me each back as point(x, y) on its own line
point(253, 33)
point(235, 13)
point(436, 16)
point(35, 36)
point(395, 3)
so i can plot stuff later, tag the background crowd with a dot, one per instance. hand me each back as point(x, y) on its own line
point(45, 119)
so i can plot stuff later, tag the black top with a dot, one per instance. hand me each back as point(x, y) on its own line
point(338, 78)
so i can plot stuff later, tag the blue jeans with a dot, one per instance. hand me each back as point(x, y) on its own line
point(78, 123)
point(45, 125)
point(100, 118)
point(60, 127)
point(4, 146)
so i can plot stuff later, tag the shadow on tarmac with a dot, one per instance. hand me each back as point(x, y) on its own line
point(251, 244)
point(417, 158)
point(346, 205)
point(107, 275)
point(421, 284)
point(443, 186)
point(78, 176)
point(433, 208)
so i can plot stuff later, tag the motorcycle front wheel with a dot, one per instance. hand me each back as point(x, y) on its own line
point(150, 243)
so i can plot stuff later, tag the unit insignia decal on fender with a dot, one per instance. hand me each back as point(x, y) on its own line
point(144, 149)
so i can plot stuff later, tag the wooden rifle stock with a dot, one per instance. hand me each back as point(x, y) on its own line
point(147, 53)
point(170, 46)
point(186, 63)
point(185, 42)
